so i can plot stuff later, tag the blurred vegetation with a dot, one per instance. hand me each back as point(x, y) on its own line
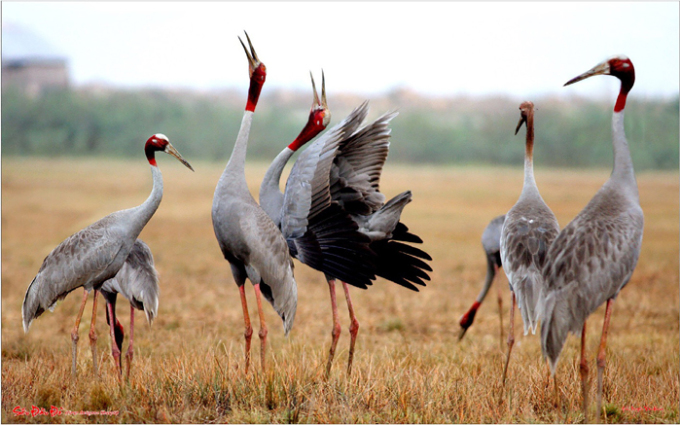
point(573, 133)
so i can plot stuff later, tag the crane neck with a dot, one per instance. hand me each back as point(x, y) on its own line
point(147, 209)
point(236, 167)
point(623, 163)
point(490, 274)
point(271, 197)
point(529, 181)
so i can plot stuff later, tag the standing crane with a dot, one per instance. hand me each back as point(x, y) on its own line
point(594, 257)
point(248, 238)
point(355, 186)
point(529, 229)
point(95, 254)
point(491, 242)
point(353, 170)
point(319, 232)
point(137, 281)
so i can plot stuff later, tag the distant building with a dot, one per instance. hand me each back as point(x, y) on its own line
point(31, 63)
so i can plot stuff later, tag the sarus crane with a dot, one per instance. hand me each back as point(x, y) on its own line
point(356, 156)
point(248, 238)
point(594, 257)
point(529, 229)
point(320, 233)
point(95, 254)
point(491, 242)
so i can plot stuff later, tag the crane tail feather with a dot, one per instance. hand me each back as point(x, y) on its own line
point(31, 307)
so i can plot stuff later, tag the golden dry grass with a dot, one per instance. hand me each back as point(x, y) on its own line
point(408, 367)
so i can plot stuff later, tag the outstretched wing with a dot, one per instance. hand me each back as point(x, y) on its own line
point(355, 176)
point(402, 263)
point(319, 232)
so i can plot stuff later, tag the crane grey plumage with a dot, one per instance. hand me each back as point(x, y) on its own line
point(319, 233)
point(355, 186)
point(491, 239)
point(591, 260)
point(85, 259)
point(528, 231)
point(248, 238)
point(95, 254)
point(594, 257)
point(491, 242)
point(136, 281)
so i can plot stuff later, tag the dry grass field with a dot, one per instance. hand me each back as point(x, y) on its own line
point(409, 367)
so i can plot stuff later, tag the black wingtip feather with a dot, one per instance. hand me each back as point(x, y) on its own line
point(400, 263)
point(333, 245)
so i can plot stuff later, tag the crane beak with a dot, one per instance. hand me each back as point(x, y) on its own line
point(323, 103)
point(462, 333)
point(316, 102)
point(253, 60)
point(599, 69)
point(323, 91)
point(522, 120)
point(169, 149)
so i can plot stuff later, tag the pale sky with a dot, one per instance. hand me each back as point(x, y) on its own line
point(439, 48)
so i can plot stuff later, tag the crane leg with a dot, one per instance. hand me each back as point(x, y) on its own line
point(511, 337)
point(74, 334)
point(129, 354)
point(500, 307)
point(353, 328)
point(263, 327)
point(93, 333)
point(557, 391)
point(335, 333)
point(601, 353)
point(248, 333)
point(584, 374)
point(115, 351)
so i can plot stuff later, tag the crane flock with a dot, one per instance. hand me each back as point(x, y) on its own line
point(332, 217)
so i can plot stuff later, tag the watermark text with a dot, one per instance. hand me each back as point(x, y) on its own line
point(58, 411)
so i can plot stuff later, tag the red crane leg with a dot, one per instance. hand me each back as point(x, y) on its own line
point(93, 332)
point(584, 374)
point(263, 327)
point(601, 353)
point(500, 305)
point(353, 328)
point(511, 337)
point(74, 334)
point(335, 333)
point(248, 333)
point(115, 351)
point(129, 354)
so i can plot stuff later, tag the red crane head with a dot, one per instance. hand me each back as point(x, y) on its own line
point(257, 72)
point(319, 116)
point(618, 66)
point(526, 110)
point(159, 143)
point(467, 319)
